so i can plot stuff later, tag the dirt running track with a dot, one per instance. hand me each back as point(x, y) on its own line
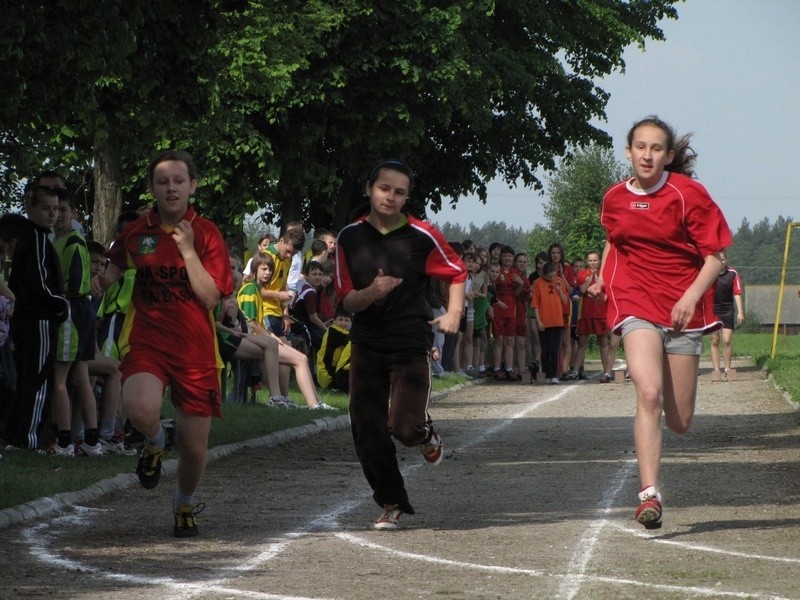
point(534, 499)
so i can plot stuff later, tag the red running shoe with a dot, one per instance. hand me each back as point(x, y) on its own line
point(650, 510)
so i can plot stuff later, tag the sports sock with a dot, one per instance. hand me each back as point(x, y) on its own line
point(180, 498)
point(160, 439)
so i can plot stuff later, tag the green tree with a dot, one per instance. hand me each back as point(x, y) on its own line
point(576, 192)
point(285, 103)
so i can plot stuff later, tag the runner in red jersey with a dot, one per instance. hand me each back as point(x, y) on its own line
point(182, 270)
point(662, 255)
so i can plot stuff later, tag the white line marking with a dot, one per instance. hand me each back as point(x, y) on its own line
point(702, 547)
point(586, 545)
point(358, 541)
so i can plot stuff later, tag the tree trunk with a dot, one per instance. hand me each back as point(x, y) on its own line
point(108, 193)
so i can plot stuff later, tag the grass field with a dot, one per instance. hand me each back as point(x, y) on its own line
point(25, 476)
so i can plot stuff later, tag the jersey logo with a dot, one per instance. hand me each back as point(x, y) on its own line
point(640, 206)
point(147, 244)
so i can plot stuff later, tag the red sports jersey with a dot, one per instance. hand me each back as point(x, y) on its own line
point(504, 287)
point(591, 308)
point(659, 239)
point(165, 314)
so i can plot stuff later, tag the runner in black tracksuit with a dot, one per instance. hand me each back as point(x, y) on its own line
point(383, 262)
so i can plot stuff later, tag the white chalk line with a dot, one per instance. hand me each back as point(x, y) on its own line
point(37, 536)
point(329, 521)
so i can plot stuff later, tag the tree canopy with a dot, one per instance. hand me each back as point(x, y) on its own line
point(285, 104)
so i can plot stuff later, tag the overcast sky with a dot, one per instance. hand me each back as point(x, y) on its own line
point(729, 72)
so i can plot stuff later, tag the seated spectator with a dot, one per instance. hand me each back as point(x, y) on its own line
point(250, 304)
point(304, 306)
point(333, 366)
point(326, 299)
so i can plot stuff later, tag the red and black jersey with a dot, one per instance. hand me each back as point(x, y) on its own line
point(728, 286)
point(659, 240)
point(413, 252)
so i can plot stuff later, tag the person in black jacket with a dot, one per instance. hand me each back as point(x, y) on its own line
point(40, 306)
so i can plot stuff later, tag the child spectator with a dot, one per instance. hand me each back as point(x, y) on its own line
point(504, 321)
point(77, 341)
point(593, 318)
point(522, 291)
point(251, 305)
point(480, 307)
point(467, 339)
point(40, 306)
point(333, 358)
point(107, 370)
point(263, 243)
point(549, 298)
point(115, 301)
point(326, 298)
point(305, 305)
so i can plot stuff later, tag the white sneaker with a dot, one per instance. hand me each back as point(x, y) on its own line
point(554, 381)
point(388, 521)
point(321, 406)
point(116, 446)
point(69, 451)
point(88, 450)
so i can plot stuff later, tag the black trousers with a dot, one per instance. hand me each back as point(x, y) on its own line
point(34, 342)
point(389, 396)
point(550, 341)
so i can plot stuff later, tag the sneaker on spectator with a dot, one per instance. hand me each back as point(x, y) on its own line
point(185, 523)
point(149, 466)
point(281, 402)
point(650, 510)
point(500, 375)
point(605, 378)
point(554, 381)
point(69, 451)
point(321, 406)
point(388, 521)
point(432, 450)
point(116, 445)
point(85, 449)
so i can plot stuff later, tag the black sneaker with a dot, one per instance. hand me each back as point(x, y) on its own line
point(149, 467)
point(185, 524)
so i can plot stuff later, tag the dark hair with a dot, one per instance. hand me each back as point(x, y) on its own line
point(65, 195)
point(469, 256)
point(494, 245)
point(341, 311)
point(684, 155)
point(549, 267)
point(328, 266)
point(125, 217)
point(38, 192)
point(312, 265)
point(267, 236)
point(11, 226)
point(560, 247)
point(318, 247)
point(95, 247)
point(394, 165)
point(319, 232)
point(179, 155)
point(506, 250)
point(518, 254)
point(541, 256)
